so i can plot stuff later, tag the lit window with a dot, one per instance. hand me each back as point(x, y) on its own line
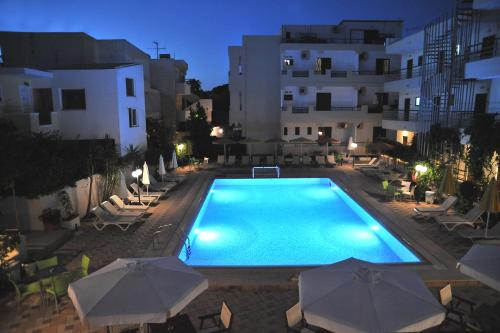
point(73, 99)
point(288, 61)
point(132, 117)
point(129, 83)
point(417, 101)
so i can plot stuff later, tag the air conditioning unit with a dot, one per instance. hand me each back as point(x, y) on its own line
point(304, 54)
point(303, 90)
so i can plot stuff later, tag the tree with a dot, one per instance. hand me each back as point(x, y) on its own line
point(196, 87)
point(199, 131)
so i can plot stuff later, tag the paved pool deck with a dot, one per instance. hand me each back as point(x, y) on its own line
point(258, 297)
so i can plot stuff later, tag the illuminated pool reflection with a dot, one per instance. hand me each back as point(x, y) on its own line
point(287, 222)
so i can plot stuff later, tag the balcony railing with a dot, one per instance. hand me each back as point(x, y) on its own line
point(479, 52)
point(302, 73)
point(311, 39)
point(338, 74)
point(404, 73)
point(339, 108)
point(402, 115)
point(300, 109)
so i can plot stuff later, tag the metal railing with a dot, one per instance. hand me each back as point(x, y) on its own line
point(318, 40)
point(300, 109)
point(338, 74)
point(296, 73)
point(340, 108)
point(404, 73)
point(402, 115)
point(478, 51)
point(276, 168)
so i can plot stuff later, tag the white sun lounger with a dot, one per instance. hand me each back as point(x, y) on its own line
point(220, 160)
point(433, 211)
point(119, 212)
point(358, 165)
point(471, 219)
point(145, 199)
point(320, 160)
point(245, 160)
point(255, 160)
point(103, 219)
point(331, 160)
point(231, 160)
point(295, 160)
point(121, 205)
point(476, 234)
point(376, 165)
point(135, 188)
point(306, 160)
point(269, 160)
point(161, 186)
point(281, 160)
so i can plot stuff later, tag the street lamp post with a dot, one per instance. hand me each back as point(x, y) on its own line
point(136, 174)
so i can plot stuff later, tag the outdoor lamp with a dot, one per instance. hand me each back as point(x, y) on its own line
point(421, 168)
point(354, 145)
point(136, 174)
point(221, 131)
point(320, 133)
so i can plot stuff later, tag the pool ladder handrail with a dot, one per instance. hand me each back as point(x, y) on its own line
point(277, 168)
point(187, 242)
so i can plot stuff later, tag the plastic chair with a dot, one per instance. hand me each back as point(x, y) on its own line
point(47, 263)
point(25, 290)
point(222, 320)
point(59, 287)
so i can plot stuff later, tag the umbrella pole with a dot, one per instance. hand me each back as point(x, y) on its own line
point(487, 225)
point(327, 149)
point(224, 153)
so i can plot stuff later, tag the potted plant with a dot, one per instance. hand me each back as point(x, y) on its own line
point(70, 220)
point(51, 219)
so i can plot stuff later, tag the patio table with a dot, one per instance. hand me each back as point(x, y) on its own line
point(178, 324)
point(42, 274)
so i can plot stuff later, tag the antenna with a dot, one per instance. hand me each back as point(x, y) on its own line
point(157, 48)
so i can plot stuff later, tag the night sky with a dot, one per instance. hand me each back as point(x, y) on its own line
point(200, 31)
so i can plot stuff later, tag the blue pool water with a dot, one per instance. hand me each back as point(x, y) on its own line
point(287, 222)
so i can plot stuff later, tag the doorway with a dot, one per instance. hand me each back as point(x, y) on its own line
point(323, 101)
point(480, 103)
point(382, 66)
point(407, 109)
point(42, 104)
point(409, 68)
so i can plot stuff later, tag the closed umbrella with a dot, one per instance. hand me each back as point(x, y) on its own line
point(122, 186)
point(481, 263)
point(173, 161)
point(136, 291)
point(300, 141)
point(161, 167)
point(145, 176)
point(489, 202)
point(357, 296)
point(448, 183)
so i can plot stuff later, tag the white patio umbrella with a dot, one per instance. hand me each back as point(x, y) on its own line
point(357, 296)
point(145, 176)
point(173, 161)
point(161, 167)
point(482, 263)
point(136, 291)
point(122, 186)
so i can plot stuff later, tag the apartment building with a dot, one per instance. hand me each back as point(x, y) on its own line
point(449, 72)
point(80, 101)
point(322, 81)
point(164, 78)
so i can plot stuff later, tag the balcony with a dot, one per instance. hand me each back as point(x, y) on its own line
point(328, 76)
point(30, 121)
point(182, 88)
point(483, 62)
point(400, 120)
point(340, 108)
point(301, 109)
point(296, 73)
point(403, 79)
point(404, 73)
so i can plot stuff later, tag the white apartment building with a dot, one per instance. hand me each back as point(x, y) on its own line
point(164, 78)
point(311, 81)
point(80, 102)
point(474, 82)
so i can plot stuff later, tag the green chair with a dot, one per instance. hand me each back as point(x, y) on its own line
point(84, 269)
point(392, 192)
point(25, 290)
point(47, 263)
point(385, 185)
point(59, 287)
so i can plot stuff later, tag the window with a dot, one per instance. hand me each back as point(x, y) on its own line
point(297, 130)
point(129, 83)
point(382, 66)
point(288, 62)
point(240, 67)
point(417, 101)
point(451, 100)
point(239, 95)
point(132, 117)
point(309, 131)
point(288, 97)
point(420, 60)
point(327, 131)
point(285, 131)
point(323, 101)
point(73, 99)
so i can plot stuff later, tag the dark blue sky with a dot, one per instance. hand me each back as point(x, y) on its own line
point(200, 31)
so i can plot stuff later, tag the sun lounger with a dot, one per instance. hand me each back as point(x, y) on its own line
point(119, 212)
point(320, 160)
point(255, 160)
point(135, 188)
point(433, 211)
point(376, 165)
point(295, 160)
point(121, 205)
point(245, 160)
point(231, 161)
point(156, 186)
point(145, 199)
point(220, 160)
point(281, 160)
point(471, 219)
point(167, 179)
point(306, 160)
point(269, 160)
point(358, 165)
point(103, 219)
point(331, 160)
point(476, 234)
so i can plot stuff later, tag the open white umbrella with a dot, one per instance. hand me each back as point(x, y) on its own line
point(161, 167)
point(145, 176)
point(482, 262)
point(122, 186)
point(357, 296)
point(173, 161)
point(136, 291)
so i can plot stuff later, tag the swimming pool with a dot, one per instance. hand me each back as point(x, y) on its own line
point(286, 222)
